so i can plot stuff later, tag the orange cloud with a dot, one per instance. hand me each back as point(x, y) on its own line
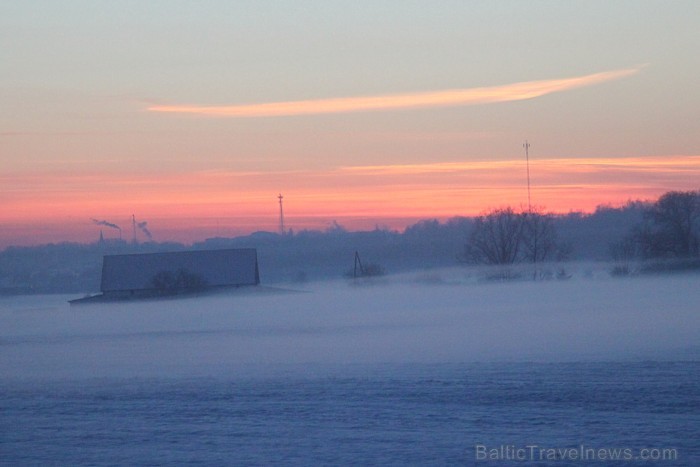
point(447, 98)
point(656, 165)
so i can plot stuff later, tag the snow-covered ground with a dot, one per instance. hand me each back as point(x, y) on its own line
point(438, 316)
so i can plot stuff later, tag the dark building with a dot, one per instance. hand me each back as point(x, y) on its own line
point(173, 273)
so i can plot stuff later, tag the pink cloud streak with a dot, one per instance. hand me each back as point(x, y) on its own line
point(447, 98)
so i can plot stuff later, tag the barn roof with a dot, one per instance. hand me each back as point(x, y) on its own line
point(212, 268)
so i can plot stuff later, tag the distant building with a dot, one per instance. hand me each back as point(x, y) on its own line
point(172, 273)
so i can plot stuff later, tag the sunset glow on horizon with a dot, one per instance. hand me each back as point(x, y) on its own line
point(355, 196)
point(194, 117)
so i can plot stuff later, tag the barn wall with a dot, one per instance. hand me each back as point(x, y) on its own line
point(211, 268)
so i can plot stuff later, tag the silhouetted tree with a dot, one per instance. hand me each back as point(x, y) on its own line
point(505, 237)
point(671, 227)
point(166, 282)
point(539, 237)
point(496, 238)
point(540, 241)
point(624, 252)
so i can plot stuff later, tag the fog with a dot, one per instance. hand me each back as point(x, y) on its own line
point(440, 317)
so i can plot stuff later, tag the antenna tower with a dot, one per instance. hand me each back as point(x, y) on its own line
point(282, 231)
point(526, 145)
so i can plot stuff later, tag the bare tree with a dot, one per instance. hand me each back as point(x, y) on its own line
point(624, 253)
point(496, 238)
point(505, 237)
point(167, 282)
point(539, 237)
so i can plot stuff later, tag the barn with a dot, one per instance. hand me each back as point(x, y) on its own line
point(172, 273)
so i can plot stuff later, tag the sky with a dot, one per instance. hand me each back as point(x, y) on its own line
point(194, 116)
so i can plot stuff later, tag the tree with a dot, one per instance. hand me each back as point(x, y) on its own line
point(496, 238)
point(539, 237)
point(672, 227)
point(166, 282)
point(540, 240)
point(623, 253)
point(505, 237)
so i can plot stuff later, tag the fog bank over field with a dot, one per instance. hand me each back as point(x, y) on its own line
point(440, 317)
point(306, 255)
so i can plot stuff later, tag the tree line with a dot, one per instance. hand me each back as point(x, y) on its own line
point(639, 236)
point(669, 230)
point(667, 238)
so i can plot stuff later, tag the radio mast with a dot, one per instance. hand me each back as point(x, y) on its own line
point(282, 231)
point(526, 145)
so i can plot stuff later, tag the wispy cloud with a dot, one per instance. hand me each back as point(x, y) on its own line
point(446, 98)
point(682, 164)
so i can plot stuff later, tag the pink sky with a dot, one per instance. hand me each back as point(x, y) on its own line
point(194, 116)
point(193, 206)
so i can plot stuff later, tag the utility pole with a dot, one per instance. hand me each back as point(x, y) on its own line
point(358, 269)
point(526, 145)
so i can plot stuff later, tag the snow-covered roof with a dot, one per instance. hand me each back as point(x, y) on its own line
point(211, 268)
